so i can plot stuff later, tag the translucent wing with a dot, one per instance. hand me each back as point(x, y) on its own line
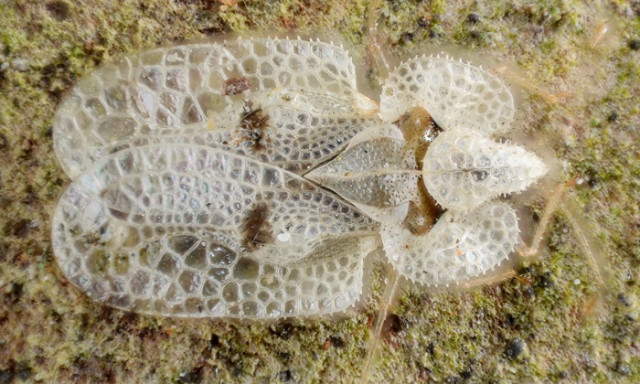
point(456, 94)
point(282, 101)
point(457, 249)
point(462, 170)
point(372, 173)
point(195, 231)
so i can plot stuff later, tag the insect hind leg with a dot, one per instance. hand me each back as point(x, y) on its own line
point(560, 201)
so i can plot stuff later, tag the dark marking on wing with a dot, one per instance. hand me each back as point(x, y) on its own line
point(253, 126)
point(235, 86)
point(256, 229)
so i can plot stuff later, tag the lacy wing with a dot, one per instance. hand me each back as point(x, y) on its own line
point(257, 95)
point(458, 249)
point(194, 231)
point(455, 93)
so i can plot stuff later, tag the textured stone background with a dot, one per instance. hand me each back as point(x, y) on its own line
point(551, 323)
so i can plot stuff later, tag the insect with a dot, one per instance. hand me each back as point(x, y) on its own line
point(250, 178)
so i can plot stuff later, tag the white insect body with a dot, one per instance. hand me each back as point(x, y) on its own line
point(250, 179)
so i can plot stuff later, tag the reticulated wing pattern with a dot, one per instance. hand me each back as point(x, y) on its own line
point(456, 94)
point(372, 172)
point(457, 249)
point(195, 231)
point(270, 90)
point(462, 170)
point(190, 197)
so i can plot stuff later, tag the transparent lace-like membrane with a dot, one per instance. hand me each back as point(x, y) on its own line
point(463, 170)
point(197, 231)
point(187, 201)
point(456, 94)
point(290, 103)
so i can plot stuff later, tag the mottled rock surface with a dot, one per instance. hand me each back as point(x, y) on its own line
point(577, 67)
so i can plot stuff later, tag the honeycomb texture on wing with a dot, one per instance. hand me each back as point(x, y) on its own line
point(299, 141)
point(193, 231)
point(458, 249)
point(197, 87)
point(462, 170)
point(371, 172)
point(456, 94)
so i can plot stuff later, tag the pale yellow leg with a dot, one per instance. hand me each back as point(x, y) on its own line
point(385, 303)
point(550, 208)
point(591, 250)
point(570, 210)
point(489, 279)
point(382, 67)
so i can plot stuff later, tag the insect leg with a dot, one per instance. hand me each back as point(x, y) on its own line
point(385, 303)
point(567, 206)
point(380, 63)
